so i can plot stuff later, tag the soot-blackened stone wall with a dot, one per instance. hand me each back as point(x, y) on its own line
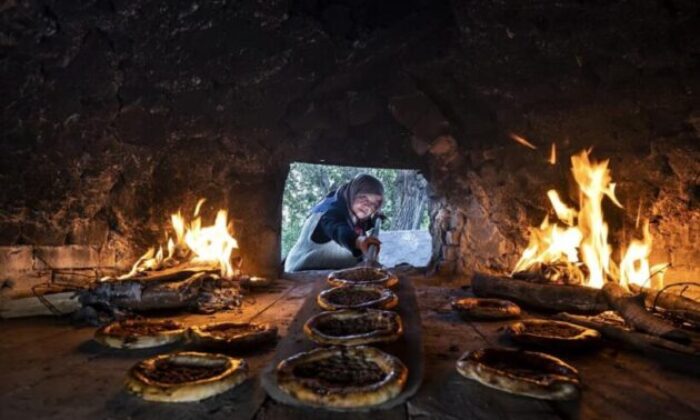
point(117, 113)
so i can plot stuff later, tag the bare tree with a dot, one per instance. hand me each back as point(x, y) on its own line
point(410, 198)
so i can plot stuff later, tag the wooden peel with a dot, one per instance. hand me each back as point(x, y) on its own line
point(371, 259)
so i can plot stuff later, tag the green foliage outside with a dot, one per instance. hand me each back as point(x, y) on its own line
point(308, 183)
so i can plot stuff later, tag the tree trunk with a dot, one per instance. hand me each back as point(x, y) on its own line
point(410, 200)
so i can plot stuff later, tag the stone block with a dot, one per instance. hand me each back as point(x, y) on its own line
point(19, 284)
point(66, 257)
point(14, 259)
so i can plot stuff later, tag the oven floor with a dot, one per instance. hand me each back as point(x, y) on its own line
point(51, 369)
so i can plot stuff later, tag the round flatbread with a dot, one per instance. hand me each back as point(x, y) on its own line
point(353, 327)
point(357, 297)
point(185, 376)
point(233, 336)
point(486, 309)
point(140, 333)
point(552, 334)
point(532, 374)
point(364, 276)
point(342, 377)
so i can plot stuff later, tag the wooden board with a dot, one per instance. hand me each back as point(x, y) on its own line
point(409, 348)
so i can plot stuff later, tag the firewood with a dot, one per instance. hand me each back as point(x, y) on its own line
point(638, 339)
point(555, 297)
point(674, 355)
point(177, 273)
point(667, 300)
point(133, 294)
point(631, 308)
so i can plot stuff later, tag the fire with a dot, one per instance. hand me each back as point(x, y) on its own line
point(193, 243)
point(580, 248)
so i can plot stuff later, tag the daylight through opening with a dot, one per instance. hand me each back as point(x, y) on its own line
point(404, 233)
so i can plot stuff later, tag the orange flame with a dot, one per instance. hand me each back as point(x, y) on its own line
point(208, 245)
point(635, 268)
point(584, 239)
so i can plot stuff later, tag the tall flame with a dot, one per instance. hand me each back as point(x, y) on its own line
point(584, 239)
point(208, 245)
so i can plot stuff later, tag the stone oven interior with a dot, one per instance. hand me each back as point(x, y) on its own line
point(115, 114)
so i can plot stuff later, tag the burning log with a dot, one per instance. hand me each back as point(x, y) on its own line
point(177, 273)
point(541, 295)
point(203, 291)
point(631, 308)
point(675, 355)
point(554, 272)
point(195, 271)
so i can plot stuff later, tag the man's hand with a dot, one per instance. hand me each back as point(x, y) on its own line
point(363, 243)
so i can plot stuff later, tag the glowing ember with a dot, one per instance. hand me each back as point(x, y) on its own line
point(553, 155)
point(580, 249)
point(522, 141)
point(197, 245)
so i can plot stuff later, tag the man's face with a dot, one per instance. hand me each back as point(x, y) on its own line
point(365, 205)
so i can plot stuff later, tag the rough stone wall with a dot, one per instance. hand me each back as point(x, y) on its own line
point(117, 113)
point(621, 77)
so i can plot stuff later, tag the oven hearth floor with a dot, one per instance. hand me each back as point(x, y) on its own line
point(51, 369)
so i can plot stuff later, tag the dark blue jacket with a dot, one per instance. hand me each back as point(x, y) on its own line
point(336, 223)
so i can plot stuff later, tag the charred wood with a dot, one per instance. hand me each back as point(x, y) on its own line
point(674, 355)
point(667, 300)
point(631, 308)
point(554, 297)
